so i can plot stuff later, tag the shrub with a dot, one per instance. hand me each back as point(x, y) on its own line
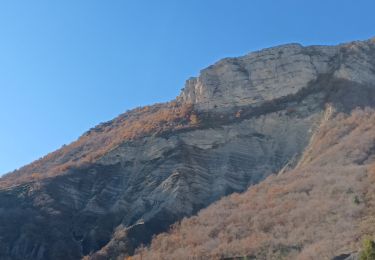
point(194, 119)
point(368, 250)
point(356, 200)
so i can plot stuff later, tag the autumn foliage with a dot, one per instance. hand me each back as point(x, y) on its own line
point(137, 123)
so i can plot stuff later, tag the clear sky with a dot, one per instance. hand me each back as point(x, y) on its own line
point(68, 65)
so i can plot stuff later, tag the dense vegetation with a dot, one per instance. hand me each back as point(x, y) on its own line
point(321, 209)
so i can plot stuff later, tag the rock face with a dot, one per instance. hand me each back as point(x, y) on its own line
point(276, 72)
point(256, 115)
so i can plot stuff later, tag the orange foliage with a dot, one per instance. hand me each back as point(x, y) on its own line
point(138, 123)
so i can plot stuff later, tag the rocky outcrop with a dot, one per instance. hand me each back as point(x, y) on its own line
point(255, 115)
point(276, 72)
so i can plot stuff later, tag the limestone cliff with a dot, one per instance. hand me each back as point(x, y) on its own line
point(276, 72)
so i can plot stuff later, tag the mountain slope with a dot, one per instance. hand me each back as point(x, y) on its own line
point(240, 121)
point(320, 209)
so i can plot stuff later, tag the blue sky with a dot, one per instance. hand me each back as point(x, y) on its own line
point(66, 66)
